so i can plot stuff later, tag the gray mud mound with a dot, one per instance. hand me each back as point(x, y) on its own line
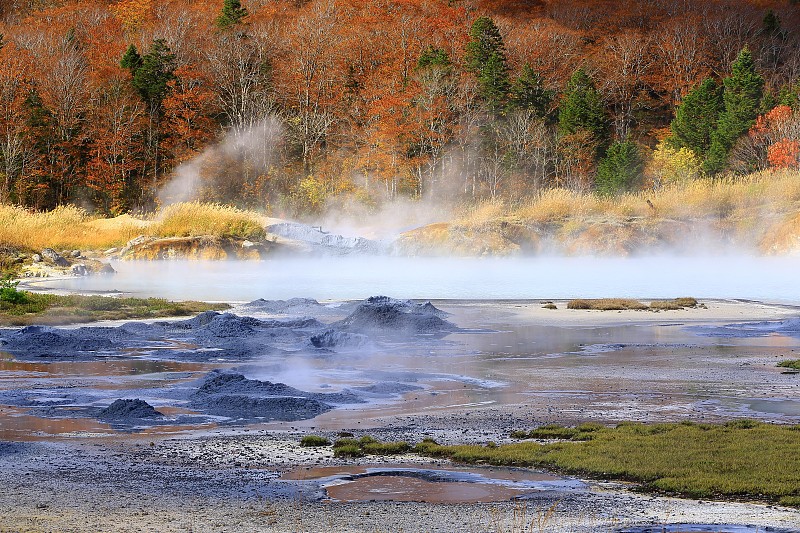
point(228, 383)
point(332, 339)
point(123, 410)
point(271, 408)
point(209, 335)
point(235, 396)
point(291, 306)
point(396, 317)
point(218, 324)
point(41, 341)
point(428, 307)
point(223, 382)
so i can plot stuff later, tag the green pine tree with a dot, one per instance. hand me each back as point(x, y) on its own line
point(433, 57)
point(790, 95)
point(744, 90)
point(232, 14)
point(154, 73)
point(486, 58)
point(493, 82)
point(131, 60)
point(696, 118)
point(484, 40)
point(620, 168)
point(582, 108)
point(529, 93)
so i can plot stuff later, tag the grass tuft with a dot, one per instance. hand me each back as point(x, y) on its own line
point(607, 304)
point(792, 363)
point(314, 441)
point(367, 445)
point(625, 304)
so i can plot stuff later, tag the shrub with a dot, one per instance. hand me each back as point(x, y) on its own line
point(345, 442)
point(314, 441)
point(350, 447)
point(670, 165)
point(348, 450)
point(9, 292)
point(793, 363)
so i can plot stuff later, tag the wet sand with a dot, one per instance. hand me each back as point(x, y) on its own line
point(521, 366)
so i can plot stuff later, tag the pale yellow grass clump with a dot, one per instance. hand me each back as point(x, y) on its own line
point(70, 227)
point(482, 213)
point(197, 218)
point(772, 191)
point(65, 227)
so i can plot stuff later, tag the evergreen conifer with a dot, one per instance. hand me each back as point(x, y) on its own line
point(696, 118)
point(744, 90)
point(528, 93)
point(582, 108)
point(620, 168)
point(232, 13)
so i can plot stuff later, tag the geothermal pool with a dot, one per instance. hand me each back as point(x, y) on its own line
point(347, 278)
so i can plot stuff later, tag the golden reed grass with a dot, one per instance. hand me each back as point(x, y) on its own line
point(70, 227)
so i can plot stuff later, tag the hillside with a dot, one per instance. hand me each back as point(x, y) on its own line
point(297, 108)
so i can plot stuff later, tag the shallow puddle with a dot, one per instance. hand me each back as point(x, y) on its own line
point(406, 489)
point(120, 367)
point(17, 425)
point(416, 483)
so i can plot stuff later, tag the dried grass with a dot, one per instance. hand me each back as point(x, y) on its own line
point(196, 218)
point(66, 227)
point(70, 227)
point(720, 197)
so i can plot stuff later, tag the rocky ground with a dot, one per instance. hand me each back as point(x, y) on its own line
point(227, 478)
point(231, 482)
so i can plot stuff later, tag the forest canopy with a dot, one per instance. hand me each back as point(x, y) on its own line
point(285, 105)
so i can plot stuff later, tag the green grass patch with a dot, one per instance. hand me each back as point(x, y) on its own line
point(554, 431)
point(741, 459)
point(367, 445)
point(792, 363)
point(314, 441)
point(58, 309)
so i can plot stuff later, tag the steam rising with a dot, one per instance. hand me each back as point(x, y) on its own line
point(358, 277)
point(254, 148)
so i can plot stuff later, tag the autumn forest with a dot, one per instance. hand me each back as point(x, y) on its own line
point(285, 105)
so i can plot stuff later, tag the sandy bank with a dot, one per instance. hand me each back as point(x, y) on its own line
point(710, 310)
